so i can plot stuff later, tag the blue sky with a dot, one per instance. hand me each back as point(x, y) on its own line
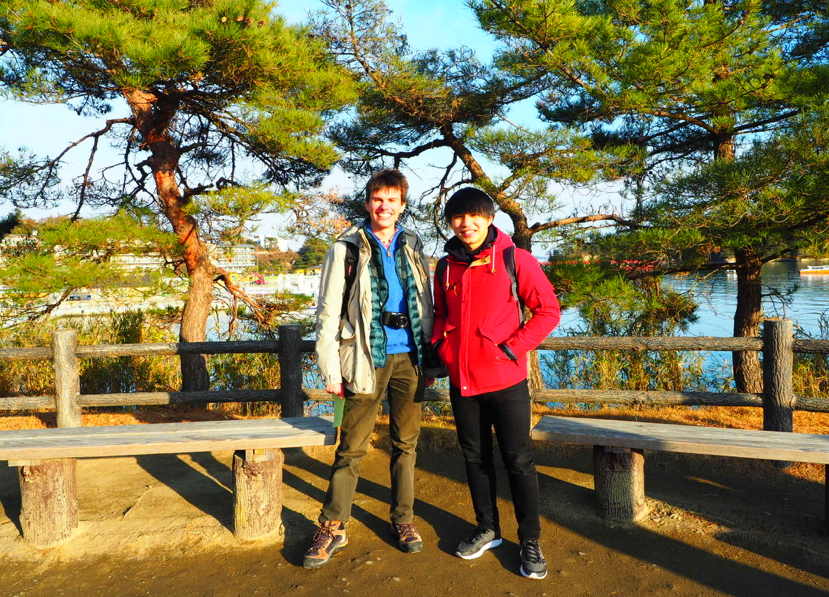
point(428, 23)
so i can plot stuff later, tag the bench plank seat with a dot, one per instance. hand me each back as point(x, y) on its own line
point(165, 438)
point(743, 443)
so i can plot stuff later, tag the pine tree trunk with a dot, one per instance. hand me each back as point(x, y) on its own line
point(748, 374)
point(194, 373)
point(152, 116)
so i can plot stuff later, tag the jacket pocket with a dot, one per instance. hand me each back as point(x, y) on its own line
point(348, 351)
point(490, 351)
point(443, 351)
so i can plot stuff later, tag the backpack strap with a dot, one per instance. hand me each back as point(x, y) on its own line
point(509, 263)
point(440, 271)
point(351, 257)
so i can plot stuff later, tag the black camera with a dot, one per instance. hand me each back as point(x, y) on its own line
point(397, 321)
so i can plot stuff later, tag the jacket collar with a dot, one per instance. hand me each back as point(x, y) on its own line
point(358, 234)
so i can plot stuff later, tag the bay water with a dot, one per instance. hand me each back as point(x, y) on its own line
point(802, 298)
point(787, 293)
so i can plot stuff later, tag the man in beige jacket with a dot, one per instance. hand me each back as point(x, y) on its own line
point(378, 341)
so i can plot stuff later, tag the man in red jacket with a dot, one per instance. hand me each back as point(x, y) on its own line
point(479, 335)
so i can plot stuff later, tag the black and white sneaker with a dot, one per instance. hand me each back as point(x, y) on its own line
point(533, 564)
point(477, 543)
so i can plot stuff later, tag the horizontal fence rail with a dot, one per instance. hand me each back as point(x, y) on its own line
point(703, 343)
point(777, 346)
point(691, 343)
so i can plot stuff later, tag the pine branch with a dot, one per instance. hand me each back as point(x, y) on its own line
point(584, 219)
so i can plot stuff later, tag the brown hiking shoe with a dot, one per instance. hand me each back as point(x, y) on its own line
point(408, 539)
point(328, 540)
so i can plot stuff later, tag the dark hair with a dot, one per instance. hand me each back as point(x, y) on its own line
point(387, 179)
point(470, 201)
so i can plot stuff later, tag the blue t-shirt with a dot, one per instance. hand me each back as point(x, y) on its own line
point(397, 340)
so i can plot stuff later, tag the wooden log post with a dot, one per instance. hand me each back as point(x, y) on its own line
point(67, 378)
point(534, 377)
point(778, 368)
point(49, 501)
point(290, 368)
point(257, 484)
point(49, 490)
point(778, 364)
point(619, 479)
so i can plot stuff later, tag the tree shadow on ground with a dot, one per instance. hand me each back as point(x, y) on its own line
point(767, 510)
point(710, 487)
point(450, 527)
point(209, 490)
point(686, 481)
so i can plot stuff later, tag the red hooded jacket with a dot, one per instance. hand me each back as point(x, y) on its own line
point(475, 312)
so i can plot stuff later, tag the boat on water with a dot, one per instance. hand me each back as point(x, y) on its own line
point(815, 269)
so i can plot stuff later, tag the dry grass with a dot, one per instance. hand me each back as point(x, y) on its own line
point(171, 414)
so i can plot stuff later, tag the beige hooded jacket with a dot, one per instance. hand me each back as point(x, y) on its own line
point(342, 350)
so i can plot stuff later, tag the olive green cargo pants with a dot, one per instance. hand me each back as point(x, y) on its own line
point(405, 394)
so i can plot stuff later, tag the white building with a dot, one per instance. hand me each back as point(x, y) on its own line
point(233, 258)
point(142, 262)
point(298, 283)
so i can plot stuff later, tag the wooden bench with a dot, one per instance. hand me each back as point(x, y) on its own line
point(46, 463)
point(619, 462)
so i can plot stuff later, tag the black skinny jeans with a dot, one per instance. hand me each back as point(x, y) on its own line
point(508, 411)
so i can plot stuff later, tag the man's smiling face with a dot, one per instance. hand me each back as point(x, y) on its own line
point(384, 207)
point(471, 229)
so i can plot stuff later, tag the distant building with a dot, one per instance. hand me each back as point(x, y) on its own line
point(238, 258)
point(146, 262)
point(298, 283)
point(13, 240)
point(233, 258)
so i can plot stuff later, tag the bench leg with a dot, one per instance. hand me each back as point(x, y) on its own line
point(49, 501)
point(619, 478)
point(257, 504)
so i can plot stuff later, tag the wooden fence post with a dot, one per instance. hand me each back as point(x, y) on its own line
point(778, 366)
point(290, 367)
point(778, 363)
point(67, 378)
point(49, 491)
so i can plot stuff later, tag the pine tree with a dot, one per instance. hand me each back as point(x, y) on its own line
point(693, 85)
point(450, 105)
point(57, 257)
point(192, 91)
point(311, 253)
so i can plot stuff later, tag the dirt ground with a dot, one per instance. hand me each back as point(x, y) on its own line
point(160, 525)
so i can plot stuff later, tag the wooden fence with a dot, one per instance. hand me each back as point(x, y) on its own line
point(777, 345)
